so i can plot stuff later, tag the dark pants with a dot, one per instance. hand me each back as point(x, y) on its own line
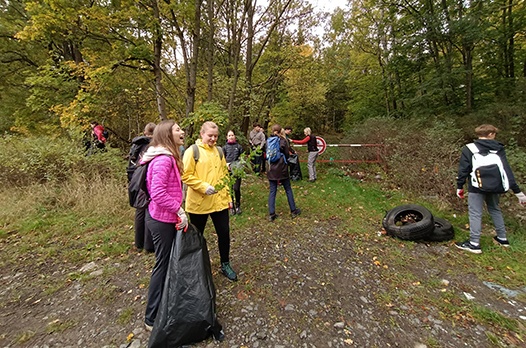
point(221, 222)
point(257, 162)
point(143, 236)
point(273, 192)
point(236, 188)
point(163, 238)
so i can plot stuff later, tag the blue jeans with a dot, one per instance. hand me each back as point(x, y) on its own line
point(274, 190)
point(476, 208)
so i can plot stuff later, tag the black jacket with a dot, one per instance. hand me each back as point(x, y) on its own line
point(139, 145)
point(280, 169)
point(465, 168)
point(232, 151)
point(312, 144)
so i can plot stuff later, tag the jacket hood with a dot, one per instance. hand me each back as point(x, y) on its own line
point(142, 139)
point(488, 144)
point(200, 143)
point(153, 152)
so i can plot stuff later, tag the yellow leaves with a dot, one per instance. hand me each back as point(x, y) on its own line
point(130, 337)
point(378, 263)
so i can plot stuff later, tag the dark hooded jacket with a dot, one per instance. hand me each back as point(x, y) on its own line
point(139, 145)
point(280, 169)
point(465, 167)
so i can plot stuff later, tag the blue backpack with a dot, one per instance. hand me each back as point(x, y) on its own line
point(273, 150)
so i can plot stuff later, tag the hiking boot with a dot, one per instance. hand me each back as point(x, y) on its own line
point(469, 247)
point(272, 217)
point(295, 213)
point(227, 270)
point(504, 243)
point(238, 210)
point(232, 211)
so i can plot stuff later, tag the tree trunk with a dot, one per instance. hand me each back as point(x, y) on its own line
point(210, 52)
point(157, 71)
point(192, 74)
point(249, 68)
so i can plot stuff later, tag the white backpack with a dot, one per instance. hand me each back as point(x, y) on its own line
point(488, 174)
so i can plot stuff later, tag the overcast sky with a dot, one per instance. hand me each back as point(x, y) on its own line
point(328, 5)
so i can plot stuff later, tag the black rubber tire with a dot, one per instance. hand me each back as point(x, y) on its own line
point(418, 230)
point(442, 232)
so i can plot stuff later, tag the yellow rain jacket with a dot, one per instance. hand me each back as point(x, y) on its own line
point(210, 169)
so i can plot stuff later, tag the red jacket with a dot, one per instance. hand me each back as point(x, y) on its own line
point(97, 132)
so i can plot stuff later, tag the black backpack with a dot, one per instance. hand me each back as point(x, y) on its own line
point(137, 192)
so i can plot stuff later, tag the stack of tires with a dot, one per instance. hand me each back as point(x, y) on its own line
point(414, 222)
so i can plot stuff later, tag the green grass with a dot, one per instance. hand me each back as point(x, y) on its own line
point(76, 223)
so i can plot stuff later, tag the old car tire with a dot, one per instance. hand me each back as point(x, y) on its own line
point(442, 232)
point(421, 227)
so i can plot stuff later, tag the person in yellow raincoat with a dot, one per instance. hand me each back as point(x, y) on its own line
point(202, 199)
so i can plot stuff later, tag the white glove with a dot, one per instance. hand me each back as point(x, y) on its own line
point(460, 193)
point(210, 190)
point(183, 224)
point(522, 197)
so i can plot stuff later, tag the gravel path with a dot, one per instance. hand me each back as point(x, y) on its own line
point(306, 284)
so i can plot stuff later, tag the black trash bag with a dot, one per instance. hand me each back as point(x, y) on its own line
point(187, 313)
point(294, 166)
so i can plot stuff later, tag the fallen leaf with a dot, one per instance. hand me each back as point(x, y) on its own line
point(242, 295)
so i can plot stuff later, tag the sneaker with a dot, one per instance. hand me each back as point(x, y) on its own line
point(504, 243)
point(272, 217)
point(469, 247)
point(148, 327)
point(232, 211)
point(295, 212)
point(312, 180)
point(238, 210)
point(227, 270)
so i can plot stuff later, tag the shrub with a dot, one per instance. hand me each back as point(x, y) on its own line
point(29, 160)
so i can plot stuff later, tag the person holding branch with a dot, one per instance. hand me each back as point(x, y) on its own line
point(207, 195)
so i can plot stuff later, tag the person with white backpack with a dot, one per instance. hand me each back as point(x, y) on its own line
point(484, 165)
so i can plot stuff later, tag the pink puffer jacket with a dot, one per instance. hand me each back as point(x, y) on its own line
point(163, 181)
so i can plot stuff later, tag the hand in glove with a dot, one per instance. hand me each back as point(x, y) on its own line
point(210, 190)
point(522, 197)
point(460, 193)
point(183, 220)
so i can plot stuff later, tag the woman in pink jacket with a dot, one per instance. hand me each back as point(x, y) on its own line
point(165, 214)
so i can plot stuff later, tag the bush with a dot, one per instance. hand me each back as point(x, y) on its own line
point(25, 161)
point(422, 155)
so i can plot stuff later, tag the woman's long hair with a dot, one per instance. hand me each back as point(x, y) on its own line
point(162, 136)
